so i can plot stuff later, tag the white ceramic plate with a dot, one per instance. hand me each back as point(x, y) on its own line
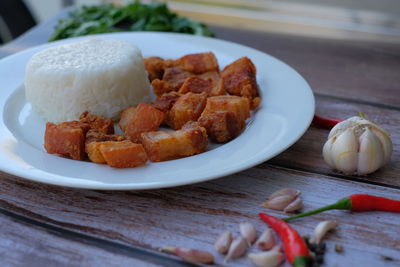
point(285, 113)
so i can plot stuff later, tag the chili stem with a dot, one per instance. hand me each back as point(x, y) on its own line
point(343, 204)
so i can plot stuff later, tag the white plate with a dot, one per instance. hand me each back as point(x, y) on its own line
point(285, 113)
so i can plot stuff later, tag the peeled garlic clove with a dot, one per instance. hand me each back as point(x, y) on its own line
point(294, 206)
point(278, 203)
point(284, 192)
point(248, 232)
point(371, 155)
point(322, 228)
point(223, 242)
point(266, 240)
point(237, 248)
point(270, 258)
point(344, 152)
point(190, 255)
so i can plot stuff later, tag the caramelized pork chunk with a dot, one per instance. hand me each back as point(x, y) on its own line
point(172, 80)
point(127, 115)
point(66, 139)
point(93, 142)
point(221, 126)
point(144, 118)
point(165, 102)
point(154, 67)
point(123, 154)
point(98, 123)
point(238, 105)
point(239, 78)
point(162, 145)
point(187, 108)
point(198, 63)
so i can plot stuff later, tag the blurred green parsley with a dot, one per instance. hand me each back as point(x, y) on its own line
point(131, 17)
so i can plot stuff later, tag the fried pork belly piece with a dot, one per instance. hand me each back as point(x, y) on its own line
point(198, 63)
point(172, 80)
point(199, 85)
point(162, 145)
point(143, 118)
point(188, 107)
point(66, 139)
point(240, 106)
point(98, 123)
point(123, 154)
point(93, 142)
point(154, 67)
point(165, 102)
point(221, 126)
point(239, 78)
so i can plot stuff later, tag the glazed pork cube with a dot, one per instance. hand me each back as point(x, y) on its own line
point(144, 118)
point(154, 67)
point(200, 85)
point(123, 154)
point(198, 63)
point(127, 115)
point(66, 139)
point(238, 105)
point(239, 78)
point(162, 145)
point(98, 123)
point(213, 76)
point(93, 142)
point(165, 102)
point(221, 126)
point(187, 108)
point(172, 80)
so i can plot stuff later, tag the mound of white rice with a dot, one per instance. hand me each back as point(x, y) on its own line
point(99, 75)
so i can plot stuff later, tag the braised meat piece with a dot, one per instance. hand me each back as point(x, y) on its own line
point(123, 154)
point(187, 108)
point(98, 123)
point(162, 145)
point(93, 142)
point(66, 139)
point(198, 63)
point(172, 80)
point(221, 126)
point(154, 67)
point(143, 118)
point(238, 105)
point(239, 78)
point(165, 102)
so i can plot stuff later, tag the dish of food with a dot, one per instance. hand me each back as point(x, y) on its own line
point(283, 114)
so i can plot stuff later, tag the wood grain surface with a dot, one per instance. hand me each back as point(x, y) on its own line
point(43, 225)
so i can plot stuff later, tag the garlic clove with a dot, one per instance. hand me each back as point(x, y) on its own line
point(248, 232)
point(327, 152)
point(270, 258)
point(223, 242)
point(322, 228)
point(266, 240)
point(386, 142)
point(285, 191)
point(237, 248)
point(371, 155)
point(190, 255)
point(296, 205)
point(278, 203)
point(344, 152)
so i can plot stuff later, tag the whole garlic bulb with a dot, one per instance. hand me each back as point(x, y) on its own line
point(357, 146)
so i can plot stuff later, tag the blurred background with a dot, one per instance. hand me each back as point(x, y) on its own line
point(345, 19)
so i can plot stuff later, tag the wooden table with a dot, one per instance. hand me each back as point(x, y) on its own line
point(49, 225)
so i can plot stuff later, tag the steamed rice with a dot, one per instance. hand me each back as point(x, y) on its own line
point(99, 75)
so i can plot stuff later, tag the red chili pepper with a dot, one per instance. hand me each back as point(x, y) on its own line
point(295, 247)
point(326, 123)
point(358, 202)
